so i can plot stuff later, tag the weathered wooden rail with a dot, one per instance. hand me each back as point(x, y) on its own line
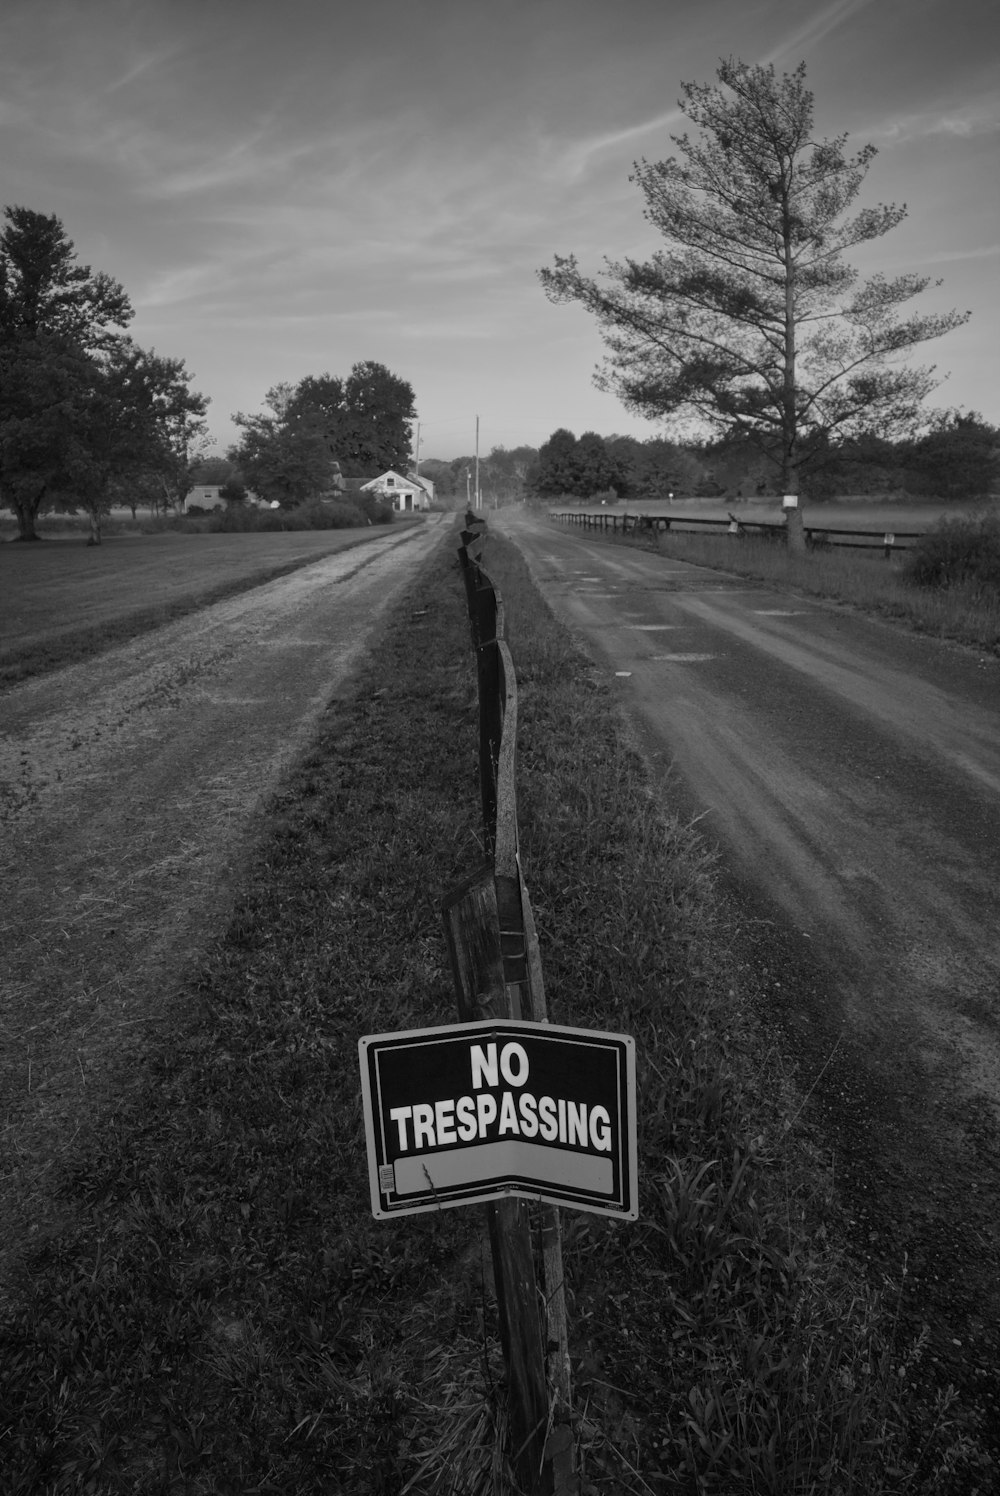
point(497, 970)
point(818, 536)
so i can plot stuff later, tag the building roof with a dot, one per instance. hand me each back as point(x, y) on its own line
point(399, 481)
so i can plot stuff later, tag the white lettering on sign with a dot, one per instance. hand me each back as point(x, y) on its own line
point(485, 1068)
point(486, 1117)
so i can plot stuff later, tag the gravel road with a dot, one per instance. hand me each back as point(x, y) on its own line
point(129, 786)
point(849, 774)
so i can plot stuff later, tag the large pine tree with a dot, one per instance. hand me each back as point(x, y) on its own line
point(750, 319)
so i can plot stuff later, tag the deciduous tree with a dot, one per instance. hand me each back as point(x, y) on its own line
point(750, 319)
point(378, 409)
point(56, 318)
point(557, 467)
point(324, 427)
point(597, 468)
point(139, 419)
point(958, 458)
point(283, 453)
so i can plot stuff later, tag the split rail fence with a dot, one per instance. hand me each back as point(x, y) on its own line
point(887, 541)
point(497, 971)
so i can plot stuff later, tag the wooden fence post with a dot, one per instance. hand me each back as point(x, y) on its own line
point(497, 969)
point(472, 932)
point(560, 1445)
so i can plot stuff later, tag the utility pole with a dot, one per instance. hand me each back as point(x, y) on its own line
point(416, 459)
point(477, 462)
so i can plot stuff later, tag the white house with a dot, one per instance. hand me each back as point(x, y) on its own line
point(407, 493)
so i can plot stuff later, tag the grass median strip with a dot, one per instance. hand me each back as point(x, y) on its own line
point(225, 1315)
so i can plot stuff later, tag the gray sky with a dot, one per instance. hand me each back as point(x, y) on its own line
point(284, 189)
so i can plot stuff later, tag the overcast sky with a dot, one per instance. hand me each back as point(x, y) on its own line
point(286, 188)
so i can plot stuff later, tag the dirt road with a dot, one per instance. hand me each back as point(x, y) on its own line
point(849, 774)
point(128, 790)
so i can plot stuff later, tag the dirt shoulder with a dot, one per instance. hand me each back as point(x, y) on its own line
point(129, 787)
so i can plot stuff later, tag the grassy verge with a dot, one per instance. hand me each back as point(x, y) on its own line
point(38, 654)
point(967, 613)
point(227, 1317)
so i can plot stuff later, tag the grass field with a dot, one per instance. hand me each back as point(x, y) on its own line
point(223, 1315)
point(62, 600)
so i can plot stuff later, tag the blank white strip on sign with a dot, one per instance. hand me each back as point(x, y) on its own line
point(454, 1167)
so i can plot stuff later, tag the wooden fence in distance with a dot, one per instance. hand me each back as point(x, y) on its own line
point(819, 536)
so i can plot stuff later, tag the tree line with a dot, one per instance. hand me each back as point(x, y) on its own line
point(956, 457)
point(89, 419)
point(85, 413)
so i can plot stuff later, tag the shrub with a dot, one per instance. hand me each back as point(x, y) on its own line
point(235, 519)
point(376, 509)
point(315, 516)
point(957, 552)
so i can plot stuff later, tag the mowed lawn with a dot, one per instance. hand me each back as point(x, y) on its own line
point(61, 598)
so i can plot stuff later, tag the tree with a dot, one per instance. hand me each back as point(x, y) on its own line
point(375, 433)
point(505, 472)
point(597, 469)
point(233, 491)
point(324, 427)
point(655, 468)
point(283, 454)
point(958, 458)
point(750, 321)
point(557, 469)
point(442, 475)
point(138, 420)
point(56, 318)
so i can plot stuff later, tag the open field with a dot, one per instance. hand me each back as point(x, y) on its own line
point(214, 1308)
point(60, 600)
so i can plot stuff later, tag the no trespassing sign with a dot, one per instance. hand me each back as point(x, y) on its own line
point(455, 1116)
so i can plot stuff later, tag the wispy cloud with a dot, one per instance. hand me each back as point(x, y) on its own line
point(965, 123)
point(577, 157)
point(946, 256)
point(139, 67)
point(813, 30)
